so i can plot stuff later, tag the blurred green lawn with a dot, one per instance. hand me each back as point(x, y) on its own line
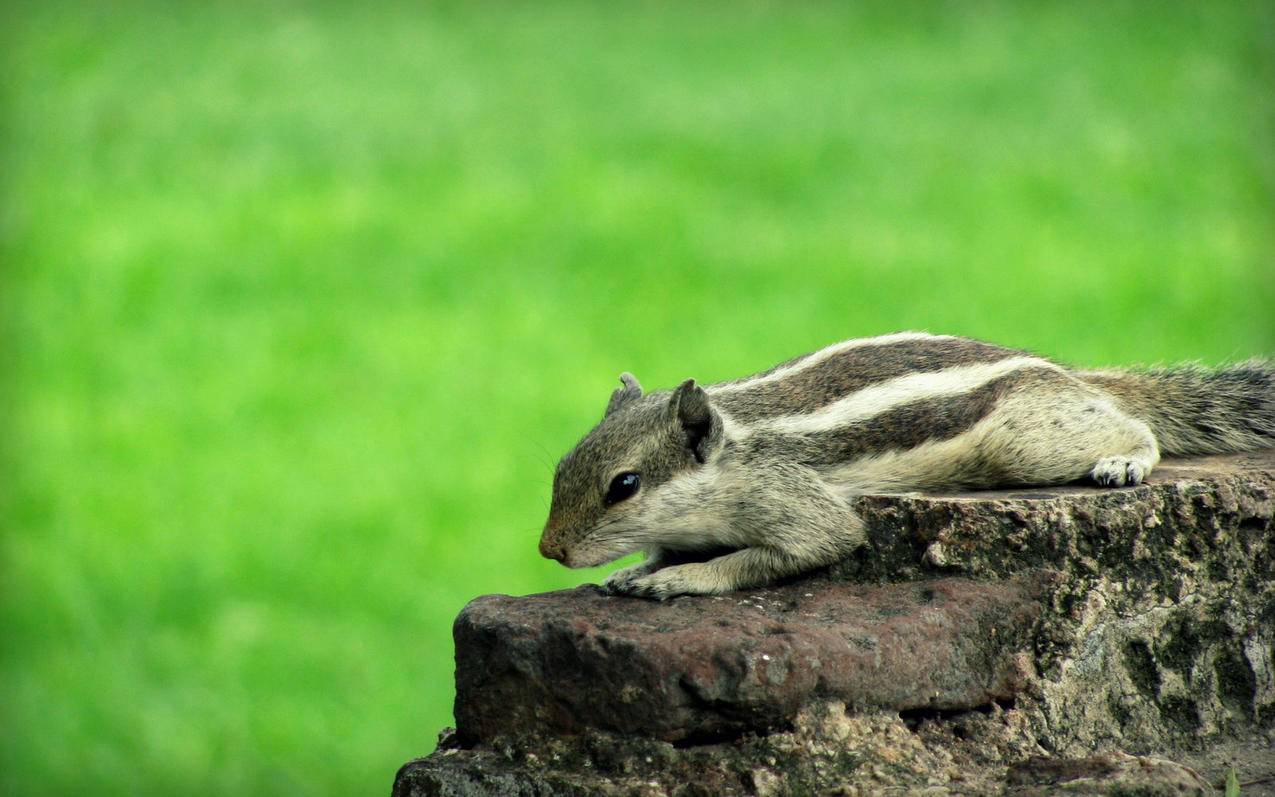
point(300, 304)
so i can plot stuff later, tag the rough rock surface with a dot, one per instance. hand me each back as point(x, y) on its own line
point(1064, 640)
point(1159, 601)
point(700, 668)
point(1112, 773)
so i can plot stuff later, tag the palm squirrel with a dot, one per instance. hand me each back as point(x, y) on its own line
point(763, 465)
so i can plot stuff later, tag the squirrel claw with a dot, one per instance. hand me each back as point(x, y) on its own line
point(1120, 471)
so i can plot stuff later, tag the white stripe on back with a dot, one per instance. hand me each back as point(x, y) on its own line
point(822, 355)
point(879, 398)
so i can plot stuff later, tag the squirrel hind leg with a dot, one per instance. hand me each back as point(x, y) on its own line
point(1058, 439)
point(1121, 471)
point(1130, 459)
point(1134, 460)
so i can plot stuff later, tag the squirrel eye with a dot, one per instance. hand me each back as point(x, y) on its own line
point(622, 487)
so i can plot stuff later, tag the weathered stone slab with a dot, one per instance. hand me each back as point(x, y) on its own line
point(697, 667)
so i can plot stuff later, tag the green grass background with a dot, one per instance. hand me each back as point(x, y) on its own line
point(301, 302)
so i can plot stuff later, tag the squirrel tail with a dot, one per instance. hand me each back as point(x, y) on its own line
point(1193, 409)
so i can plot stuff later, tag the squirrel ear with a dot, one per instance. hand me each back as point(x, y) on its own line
point(623, 395)
point(691, 408)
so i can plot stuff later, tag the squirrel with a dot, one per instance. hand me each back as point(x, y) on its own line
point(764, 465)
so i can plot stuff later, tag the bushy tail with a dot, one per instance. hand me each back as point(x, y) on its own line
point(1197, 410)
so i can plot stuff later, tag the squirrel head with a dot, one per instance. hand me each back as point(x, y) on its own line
point(601, 486)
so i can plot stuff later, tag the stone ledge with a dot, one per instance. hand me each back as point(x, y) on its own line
point(694, 668)
point(1148, 531)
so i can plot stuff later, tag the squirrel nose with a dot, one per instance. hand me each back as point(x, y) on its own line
point(550, 551)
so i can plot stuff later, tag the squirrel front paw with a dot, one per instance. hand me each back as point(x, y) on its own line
point(621, 581)
point(688, 579)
